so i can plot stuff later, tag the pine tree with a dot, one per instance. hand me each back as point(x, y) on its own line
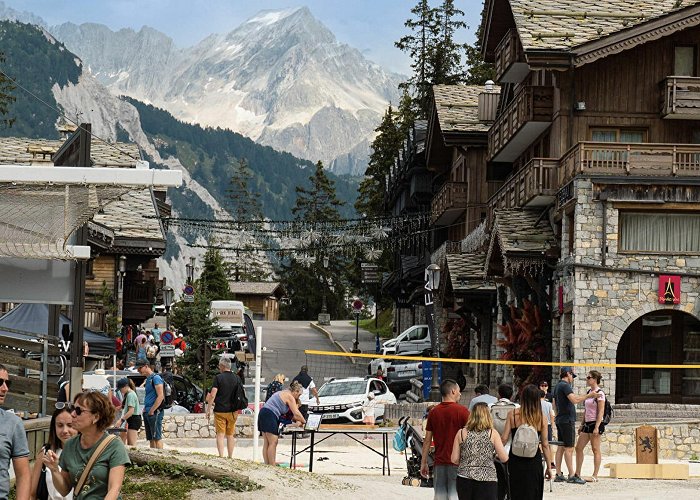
point(6, 97)
point(243, 205)
point(425, 31)
point(478, 71)
point(446, 55)
point(318, 203)
point(214, 281)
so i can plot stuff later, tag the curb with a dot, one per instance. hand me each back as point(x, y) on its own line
point(330, 337)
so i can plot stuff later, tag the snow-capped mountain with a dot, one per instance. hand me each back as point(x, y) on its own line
point(280, 78)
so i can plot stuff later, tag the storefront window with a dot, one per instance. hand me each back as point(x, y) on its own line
point(691, 356)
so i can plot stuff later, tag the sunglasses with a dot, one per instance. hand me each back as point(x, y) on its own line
point(544, 385)
point(589, 377)
point(6, 382)
point(78, 410)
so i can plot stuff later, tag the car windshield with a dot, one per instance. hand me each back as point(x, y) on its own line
point(343, 388)
point(229, 332)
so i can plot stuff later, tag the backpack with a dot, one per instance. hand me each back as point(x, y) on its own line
point(167, 393)
point(607, 412)
point(499, 414)
point(240, 400)
point(526, 442)
point(399, 442)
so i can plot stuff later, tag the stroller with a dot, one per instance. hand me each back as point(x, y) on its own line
point(414, 454)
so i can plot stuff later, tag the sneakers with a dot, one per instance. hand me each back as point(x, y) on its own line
point(576, 480)
point(559, 478)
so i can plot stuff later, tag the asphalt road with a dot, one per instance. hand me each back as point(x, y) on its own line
point(284, 343)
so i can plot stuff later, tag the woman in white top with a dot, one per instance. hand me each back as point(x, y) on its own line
point(60, 431)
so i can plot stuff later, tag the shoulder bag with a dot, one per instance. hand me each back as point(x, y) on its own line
point(91, 462)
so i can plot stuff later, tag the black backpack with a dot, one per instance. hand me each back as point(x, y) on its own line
point(168, 392)
point(240, 400)
point(607, 411)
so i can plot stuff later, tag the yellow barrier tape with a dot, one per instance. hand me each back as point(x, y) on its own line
point(500, 361)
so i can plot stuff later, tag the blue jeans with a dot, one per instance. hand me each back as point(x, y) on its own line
point(445, 482)
point(153, 425)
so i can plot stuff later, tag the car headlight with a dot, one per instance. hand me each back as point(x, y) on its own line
point(356, 413)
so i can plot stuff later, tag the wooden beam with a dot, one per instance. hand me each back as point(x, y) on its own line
point(30, 385)
point(10, 359)
point(28, 402)
point(28, 345)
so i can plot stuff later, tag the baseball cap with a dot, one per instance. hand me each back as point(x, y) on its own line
point(141, 362)
point(567, 369)
point(122, 382)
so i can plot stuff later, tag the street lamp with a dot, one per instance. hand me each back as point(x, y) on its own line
point(121, 272)
point(432, 283)
point(324, 318)
point(190, 271)
point(168, 294)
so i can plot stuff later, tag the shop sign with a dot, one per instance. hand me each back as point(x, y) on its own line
point(669, 289)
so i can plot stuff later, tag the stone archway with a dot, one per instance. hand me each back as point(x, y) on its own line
point(661, 336)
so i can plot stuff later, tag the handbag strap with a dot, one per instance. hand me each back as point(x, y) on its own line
point(91, 462)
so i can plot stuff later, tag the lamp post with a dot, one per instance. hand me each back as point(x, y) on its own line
point(168, 294)
point(190, 271)
point(121, 272)
point(432, 282)
point(324, 318)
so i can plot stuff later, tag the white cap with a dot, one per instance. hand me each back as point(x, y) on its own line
point(179, 335)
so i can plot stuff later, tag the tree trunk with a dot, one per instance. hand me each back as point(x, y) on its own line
point(213, 473)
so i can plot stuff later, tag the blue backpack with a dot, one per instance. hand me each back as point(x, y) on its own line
point(399, 442)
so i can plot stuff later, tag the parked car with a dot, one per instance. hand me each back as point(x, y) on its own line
point(416, 339)
point(187, 394)
point(341, 400)
point(398, 373)
point(389, 346)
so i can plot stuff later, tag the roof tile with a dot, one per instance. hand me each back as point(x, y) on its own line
point(458, 107)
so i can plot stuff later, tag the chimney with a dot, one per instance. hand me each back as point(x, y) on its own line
point(488, 102)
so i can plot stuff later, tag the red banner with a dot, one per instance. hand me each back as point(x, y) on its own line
point(669, 289)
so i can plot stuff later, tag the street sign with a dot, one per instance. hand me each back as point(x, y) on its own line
point(370, 273)
point(167, 337)
point(357, 305)
point(167, 351)
point(188, 293)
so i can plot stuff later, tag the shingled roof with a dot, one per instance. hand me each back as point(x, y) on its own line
point(466, 272)
point(253, 287)
point(133, 216)
point(524, 238)
point(27, 151)
point(457, 108)
point(566, 24)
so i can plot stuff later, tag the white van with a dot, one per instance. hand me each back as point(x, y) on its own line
point(414, 339)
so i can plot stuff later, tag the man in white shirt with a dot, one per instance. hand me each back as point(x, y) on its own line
point(482, 396)
point(309, 390)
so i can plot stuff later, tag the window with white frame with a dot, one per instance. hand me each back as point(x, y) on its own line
point(660, 232)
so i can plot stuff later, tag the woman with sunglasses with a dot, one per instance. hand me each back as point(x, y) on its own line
point(592, 426)
point(60, 431)
point(92, 413)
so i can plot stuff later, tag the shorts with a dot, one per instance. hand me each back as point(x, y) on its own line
point(268, 422)
point(134, 422)
point(588, 427)
point(153, 425)
point(445, 482)
point(225, 423)
point(566, 432)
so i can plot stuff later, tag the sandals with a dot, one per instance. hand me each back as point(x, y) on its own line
point(593, 479)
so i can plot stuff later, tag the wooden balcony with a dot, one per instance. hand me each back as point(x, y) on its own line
point(521, 122)
point(534, 185)
point(638, 159)
point(509, 64)
point(449, 203)
point(681, 98)
point(138, 300)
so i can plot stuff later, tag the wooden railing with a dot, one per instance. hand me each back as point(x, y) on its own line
point(537, 178)
point(507, 53)
point(681, 98)
point(530, 104)
point(447, 248)
point(453, 195)
point(643, 159)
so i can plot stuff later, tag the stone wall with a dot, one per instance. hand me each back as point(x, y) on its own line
point(606, 303)
point(677, 440)
point(196, 425)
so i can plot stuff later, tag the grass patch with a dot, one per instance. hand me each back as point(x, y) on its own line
point(383, 324)
point(172, 482)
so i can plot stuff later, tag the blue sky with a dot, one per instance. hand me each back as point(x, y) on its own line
point(371, 26)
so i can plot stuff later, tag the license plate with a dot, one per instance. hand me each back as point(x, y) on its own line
point(329, 416)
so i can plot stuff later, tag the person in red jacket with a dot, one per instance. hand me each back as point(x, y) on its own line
point(444, 421)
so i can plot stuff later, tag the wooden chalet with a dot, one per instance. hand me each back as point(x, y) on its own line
point(262, 298)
